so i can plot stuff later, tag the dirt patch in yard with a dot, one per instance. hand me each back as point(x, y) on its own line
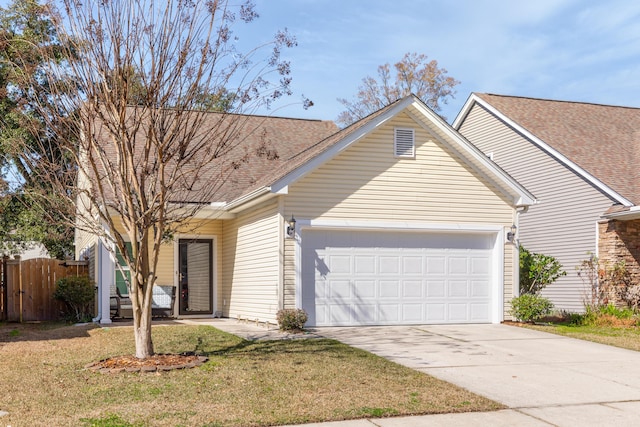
point(158, 362)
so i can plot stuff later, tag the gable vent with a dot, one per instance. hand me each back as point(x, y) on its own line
point(404, 143)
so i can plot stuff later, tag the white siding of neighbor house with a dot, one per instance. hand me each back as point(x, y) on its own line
point(251, 263)
point(367, 183)
point(563, 223)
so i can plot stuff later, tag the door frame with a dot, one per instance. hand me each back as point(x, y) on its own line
point(213, 271)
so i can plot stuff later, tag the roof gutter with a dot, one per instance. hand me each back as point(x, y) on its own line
point(251, 199)
point(627, 215)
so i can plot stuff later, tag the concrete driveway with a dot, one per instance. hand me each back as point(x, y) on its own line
point(549, 378)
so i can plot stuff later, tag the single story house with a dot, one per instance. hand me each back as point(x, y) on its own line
point(396, 219)
point(581, 162)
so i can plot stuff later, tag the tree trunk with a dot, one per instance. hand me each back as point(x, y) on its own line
point(142, 332)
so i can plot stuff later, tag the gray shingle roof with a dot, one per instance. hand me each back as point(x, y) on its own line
point(261, 146)
point(603, 140)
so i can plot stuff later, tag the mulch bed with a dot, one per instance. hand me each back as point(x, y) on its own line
point(158, 362)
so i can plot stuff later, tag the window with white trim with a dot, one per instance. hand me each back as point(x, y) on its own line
point(404, 143)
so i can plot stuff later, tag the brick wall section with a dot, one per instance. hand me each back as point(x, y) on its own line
point(620, 240)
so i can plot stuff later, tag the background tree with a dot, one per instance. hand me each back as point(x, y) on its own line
point(413, 74)
point(27, 42)
point(142, 71)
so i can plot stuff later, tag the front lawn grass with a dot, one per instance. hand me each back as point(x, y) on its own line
point(244, 383)
point(624, 337)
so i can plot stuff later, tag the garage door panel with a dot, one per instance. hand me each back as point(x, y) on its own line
point(436, 264)
point(355, 278)
point(457, 289)
point(389, 288)
point(389, 264)
point(367, 314)
point(412, 288)
point(364, 264)
point(339, 289)
point(480, 288)
point(340, 314)
point(480, 265)
point(435, 288)
point(435, 313)
point(321, 290)
point(413, 265)
point(458, 265)
point(388, 313)
point(340, 264)
point(412, 313)
point(365, 289)
point(479, 312)
point(458, 312)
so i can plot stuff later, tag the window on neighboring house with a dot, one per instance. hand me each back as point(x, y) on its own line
point(404, 143)
point(123, 275)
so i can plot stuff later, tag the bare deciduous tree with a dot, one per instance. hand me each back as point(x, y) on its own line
point(148, 159)
point(414, 74)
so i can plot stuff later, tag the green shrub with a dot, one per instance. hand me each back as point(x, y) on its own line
point(537, 271)
point(528, 307)
point(291, 319)
point(77, 293)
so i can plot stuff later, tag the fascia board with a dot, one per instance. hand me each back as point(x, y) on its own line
point(473, 99)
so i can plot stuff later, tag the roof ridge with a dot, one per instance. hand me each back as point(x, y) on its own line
point(227, 113)
point(597, 104)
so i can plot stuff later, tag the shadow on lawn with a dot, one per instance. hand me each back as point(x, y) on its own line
point(249, 348)
point(42, 331)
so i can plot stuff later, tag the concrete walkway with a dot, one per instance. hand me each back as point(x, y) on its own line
point(544, 379)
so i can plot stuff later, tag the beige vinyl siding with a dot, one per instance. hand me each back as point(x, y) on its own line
point(196, 228)
point(367, 183)
point(251, 263)
point(563, 223)
point(289, 274)
point(83, 241)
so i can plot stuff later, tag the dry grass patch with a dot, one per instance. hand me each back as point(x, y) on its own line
point(244, 383)
point(625, 337)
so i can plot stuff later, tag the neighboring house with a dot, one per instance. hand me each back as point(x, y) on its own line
point(29, 251)
point(581, 162)
point(398, 220)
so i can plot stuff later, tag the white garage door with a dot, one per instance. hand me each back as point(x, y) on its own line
point(383, 278)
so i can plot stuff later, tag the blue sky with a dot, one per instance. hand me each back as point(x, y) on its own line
point(559, 49)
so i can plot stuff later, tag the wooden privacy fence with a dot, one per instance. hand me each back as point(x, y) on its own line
point(28, 286)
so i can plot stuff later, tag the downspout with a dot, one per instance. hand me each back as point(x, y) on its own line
point(516, 244)
point(98, 274)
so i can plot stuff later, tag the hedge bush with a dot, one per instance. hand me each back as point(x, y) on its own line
point(77, 292)
point(529, 307)
point(291, 319)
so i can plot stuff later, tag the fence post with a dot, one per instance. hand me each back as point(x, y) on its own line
point(5, 290)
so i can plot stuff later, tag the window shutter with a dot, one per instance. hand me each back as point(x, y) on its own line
point(123, 274)
point(404, 143)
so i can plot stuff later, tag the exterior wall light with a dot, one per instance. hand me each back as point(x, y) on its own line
point(511, 235)
point(291, 228)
